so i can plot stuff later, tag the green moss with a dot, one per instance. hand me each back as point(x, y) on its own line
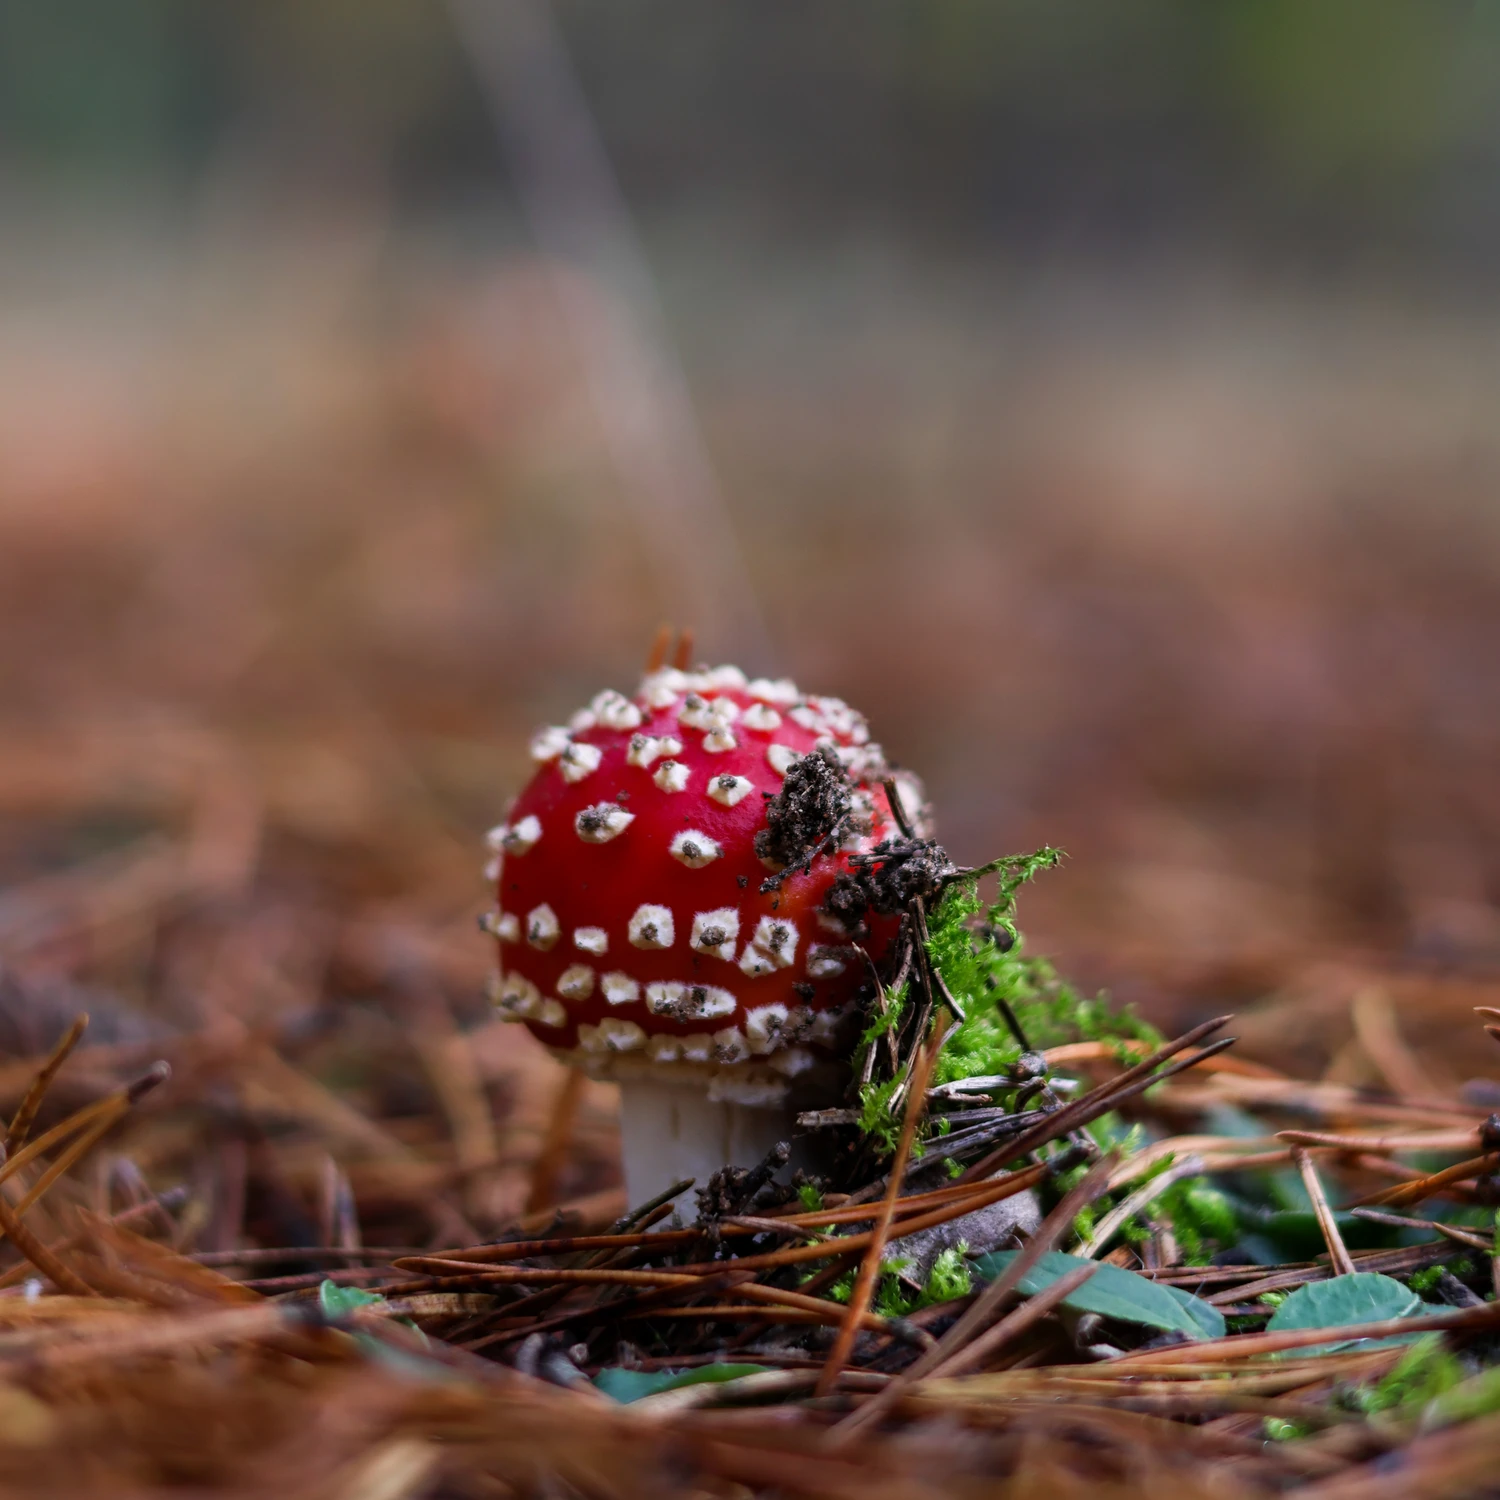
point(982, 971)
point(1424, 1372)
point(875, 1117)
point(982, 958)
point(949, 1278)
point(1085, 1223)
point(1423, 1281)
point(1478, 1396)
point(1280, 1430)
point(884, 1020)
point(842, 1289)
point(811, 1196)
point(947, 1281)
point(1111, 1133)
point(1201, 1217)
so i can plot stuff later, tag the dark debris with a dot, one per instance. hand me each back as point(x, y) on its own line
point(808, 816)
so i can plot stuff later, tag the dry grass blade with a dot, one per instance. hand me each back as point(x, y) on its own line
point(69, 1157)
point(1425, 1140)
point(1449, 1231)
point(84, 1143)
point(530, 1249)
point(660, 644)
point(155, 1272)
point(104, 1113)
point(980, 1195)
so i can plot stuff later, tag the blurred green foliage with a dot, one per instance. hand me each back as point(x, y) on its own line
point(1072, 114)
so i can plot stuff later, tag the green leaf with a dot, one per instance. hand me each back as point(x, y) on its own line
point(1342, 1302)
point(631, 1385)
point(1208, 1317)
point(1114, 1292)
point(337, 1301)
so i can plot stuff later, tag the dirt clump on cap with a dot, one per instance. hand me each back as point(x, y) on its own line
point(809, 815)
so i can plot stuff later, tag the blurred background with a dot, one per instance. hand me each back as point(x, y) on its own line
point(1102, 398)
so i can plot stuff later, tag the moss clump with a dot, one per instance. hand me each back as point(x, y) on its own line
point(1202, 1219)
point(1423, 1281)
point(976, 948)
point(875, 1118)
point(947, 1281)
point(982, 957)
point(884, 1021)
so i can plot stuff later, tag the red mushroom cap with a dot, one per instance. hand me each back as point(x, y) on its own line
point(638, 930)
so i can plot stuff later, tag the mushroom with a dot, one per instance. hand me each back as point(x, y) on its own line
point(663, 916)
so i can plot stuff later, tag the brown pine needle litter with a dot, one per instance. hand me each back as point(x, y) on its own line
point(469, 1371)
point(292, 1216)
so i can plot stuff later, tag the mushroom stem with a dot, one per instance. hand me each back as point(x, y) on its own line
point(670, 1131)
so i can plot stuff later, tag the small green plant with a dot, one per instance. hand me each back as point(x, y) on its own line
point(887, 1019)
point(1478, 1396)
point(811, 1196)
point(949, 1279)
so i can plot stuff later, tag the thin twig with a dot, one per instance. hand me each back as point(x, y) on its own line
point(1338, 1255)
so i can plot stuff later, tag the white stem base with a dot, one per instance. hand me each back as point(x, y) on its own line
point(670, 1131)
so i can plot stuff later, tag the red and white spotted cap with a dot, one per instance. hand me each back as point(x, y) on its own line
point(635, 936)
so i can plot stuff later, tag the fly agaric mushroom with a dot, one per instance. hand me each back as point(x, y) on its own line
point(673, 908)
